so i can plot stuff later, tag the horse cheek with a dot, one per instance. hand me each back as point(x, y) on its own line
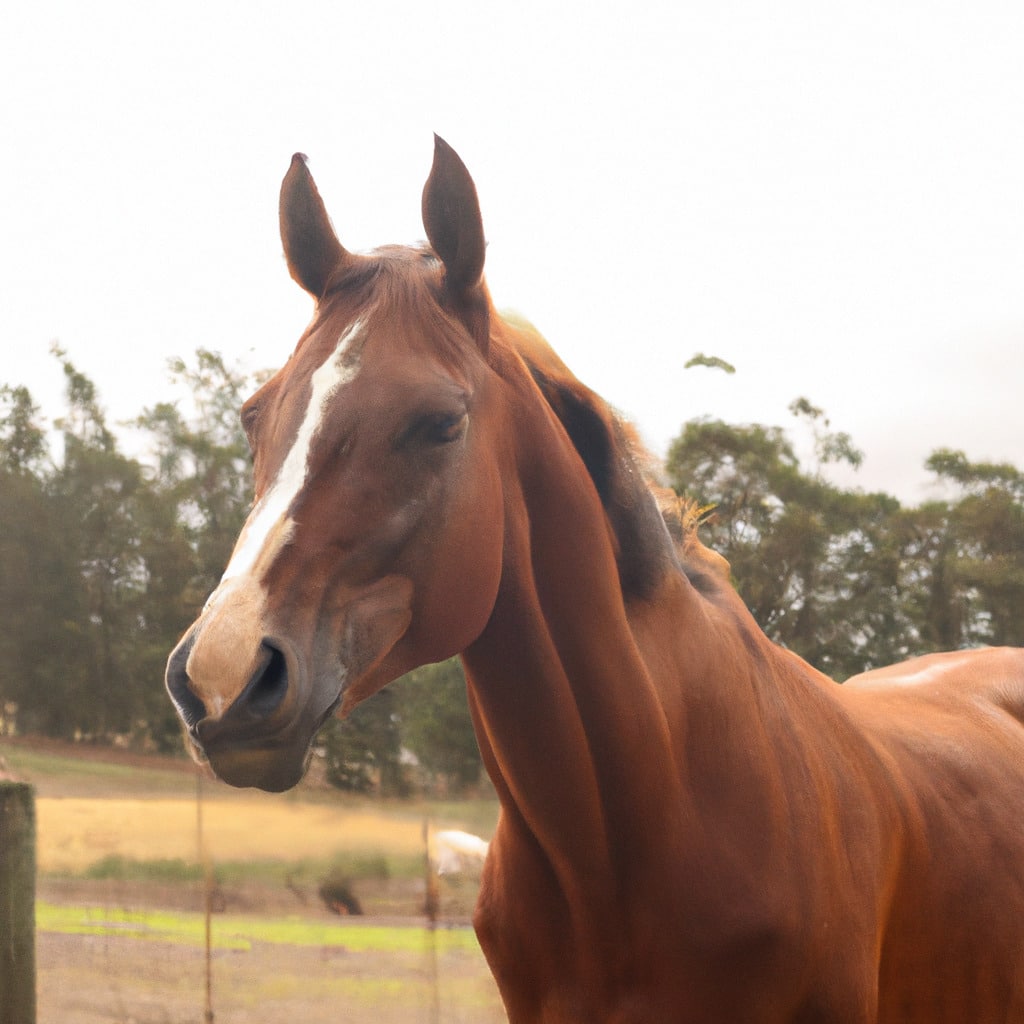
point(461, 591)
point(374, 624)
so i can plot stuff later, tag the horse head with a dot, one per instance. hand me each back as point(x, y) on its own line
point(374, 542)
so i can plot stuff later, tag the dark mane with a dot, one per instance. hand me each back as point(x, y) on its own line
point(655, 529)
point(645, 550)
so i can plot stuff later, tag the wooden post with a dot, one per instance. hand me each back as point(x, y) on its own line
point(17, 903)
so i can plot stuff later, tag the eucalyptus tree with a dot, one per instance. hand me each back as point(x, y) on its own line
point(818, 565)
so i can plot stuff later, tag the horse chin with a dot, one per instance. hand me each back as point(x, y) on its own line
point(274, 762)
point(274, 770)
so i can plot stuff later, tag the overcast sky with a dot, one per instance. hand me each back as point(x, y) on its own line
point(829, 196)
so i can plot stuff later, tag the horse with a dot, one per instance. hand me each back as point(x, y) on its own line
point(695, 825)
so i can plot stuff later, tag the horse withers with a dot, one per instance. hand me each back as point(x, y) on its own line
point(695, 824)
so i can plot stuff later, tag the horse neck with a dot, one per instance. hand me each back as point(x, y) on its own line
point(570, 722)
point(590, 706)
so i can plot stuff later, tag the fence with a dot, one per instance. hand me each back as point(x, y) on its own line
point(17, 904)
point(81, 945)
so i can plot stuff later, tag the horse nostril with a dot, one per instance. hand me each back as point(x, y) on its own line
point(189, 706)
point(268, 685)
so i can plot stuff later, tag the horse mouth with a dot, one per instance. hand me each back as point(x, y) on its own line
point(274, 763)
point(263, 739)
point(269, 769)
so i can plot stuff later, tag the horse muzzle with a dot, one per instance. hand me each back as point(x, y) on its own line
point(262, 735)
point(252, 701)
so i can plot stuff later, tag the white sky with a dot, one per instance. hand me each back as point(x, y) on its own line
point(830, 196)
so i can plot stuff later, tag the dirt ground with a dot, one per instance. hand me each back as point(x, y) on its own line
point(125, 979)
point(119, 980)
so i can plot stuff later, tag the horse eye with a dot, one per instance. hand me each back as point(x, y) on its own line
point(250, 416)
point(445, 429)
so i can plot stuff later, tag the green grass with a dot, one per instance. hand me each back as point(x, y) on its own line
point(126, 869)
point(241, 931)
point(352, 866)
point(278, 874)
point(59, 775)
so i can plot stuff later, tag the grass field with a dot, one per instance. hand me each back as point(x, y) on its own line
point(244, 931)
point(122, 883)
point(75, 832)
point(90, 810)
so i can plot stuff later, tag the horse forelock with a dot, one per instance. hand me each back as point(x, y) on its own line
point(403, 289)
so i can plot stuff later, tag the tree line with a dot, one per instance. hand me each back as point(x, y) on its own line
point(852, 580)
point(105, 559)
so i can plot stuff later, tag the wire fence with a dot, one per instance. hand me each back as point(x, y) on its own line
point(131, 951)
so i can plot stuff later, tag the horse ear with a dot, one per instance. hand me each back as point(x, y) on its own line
point(455, 230)
point(311, 247)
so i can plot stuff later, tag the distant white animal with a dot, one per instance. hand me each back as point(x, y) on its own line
point(452, 851)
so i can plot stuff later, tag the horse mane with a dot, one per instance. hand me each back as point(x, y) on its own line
point(706, 569)
point(654, 528)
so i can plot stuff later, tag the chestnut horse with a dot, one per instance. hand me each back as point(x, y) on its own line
point(695, 824)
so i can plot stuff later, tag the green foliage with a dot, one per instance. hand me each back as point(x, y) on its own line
point(122, 869)
point(363, 752)
point(979, 559)
point(437, 727)
point(712, 362)
point(829, 446)
point(22, 440)
point(241, 931)
point(417, 730)
point(202, 463)
point(850, 580)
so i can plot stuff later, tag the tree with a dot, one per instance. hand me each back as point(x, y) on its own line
point(22, 440)
point(975, 587)
point(203, 465)
point(96, 490)
point(39, 599)
point(436, 724)
point(816, 565)
point(363, 752)
point(426, 714)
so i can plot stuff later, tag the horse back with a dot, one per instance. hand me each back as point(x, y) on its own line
point(952, 682)
point(949, 731)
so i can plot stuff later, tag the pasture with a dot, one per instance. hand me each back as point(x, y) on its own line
point(120, 900)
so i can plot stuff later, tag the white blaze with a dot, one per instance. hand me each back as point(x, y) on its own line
point(268, 523)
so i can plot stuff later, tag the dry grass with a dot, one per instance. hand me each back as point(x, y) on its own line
point(95, 803)
point(76, 832)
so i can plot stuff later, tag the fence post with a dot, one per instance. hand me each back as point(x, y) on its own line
point(17, 903)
